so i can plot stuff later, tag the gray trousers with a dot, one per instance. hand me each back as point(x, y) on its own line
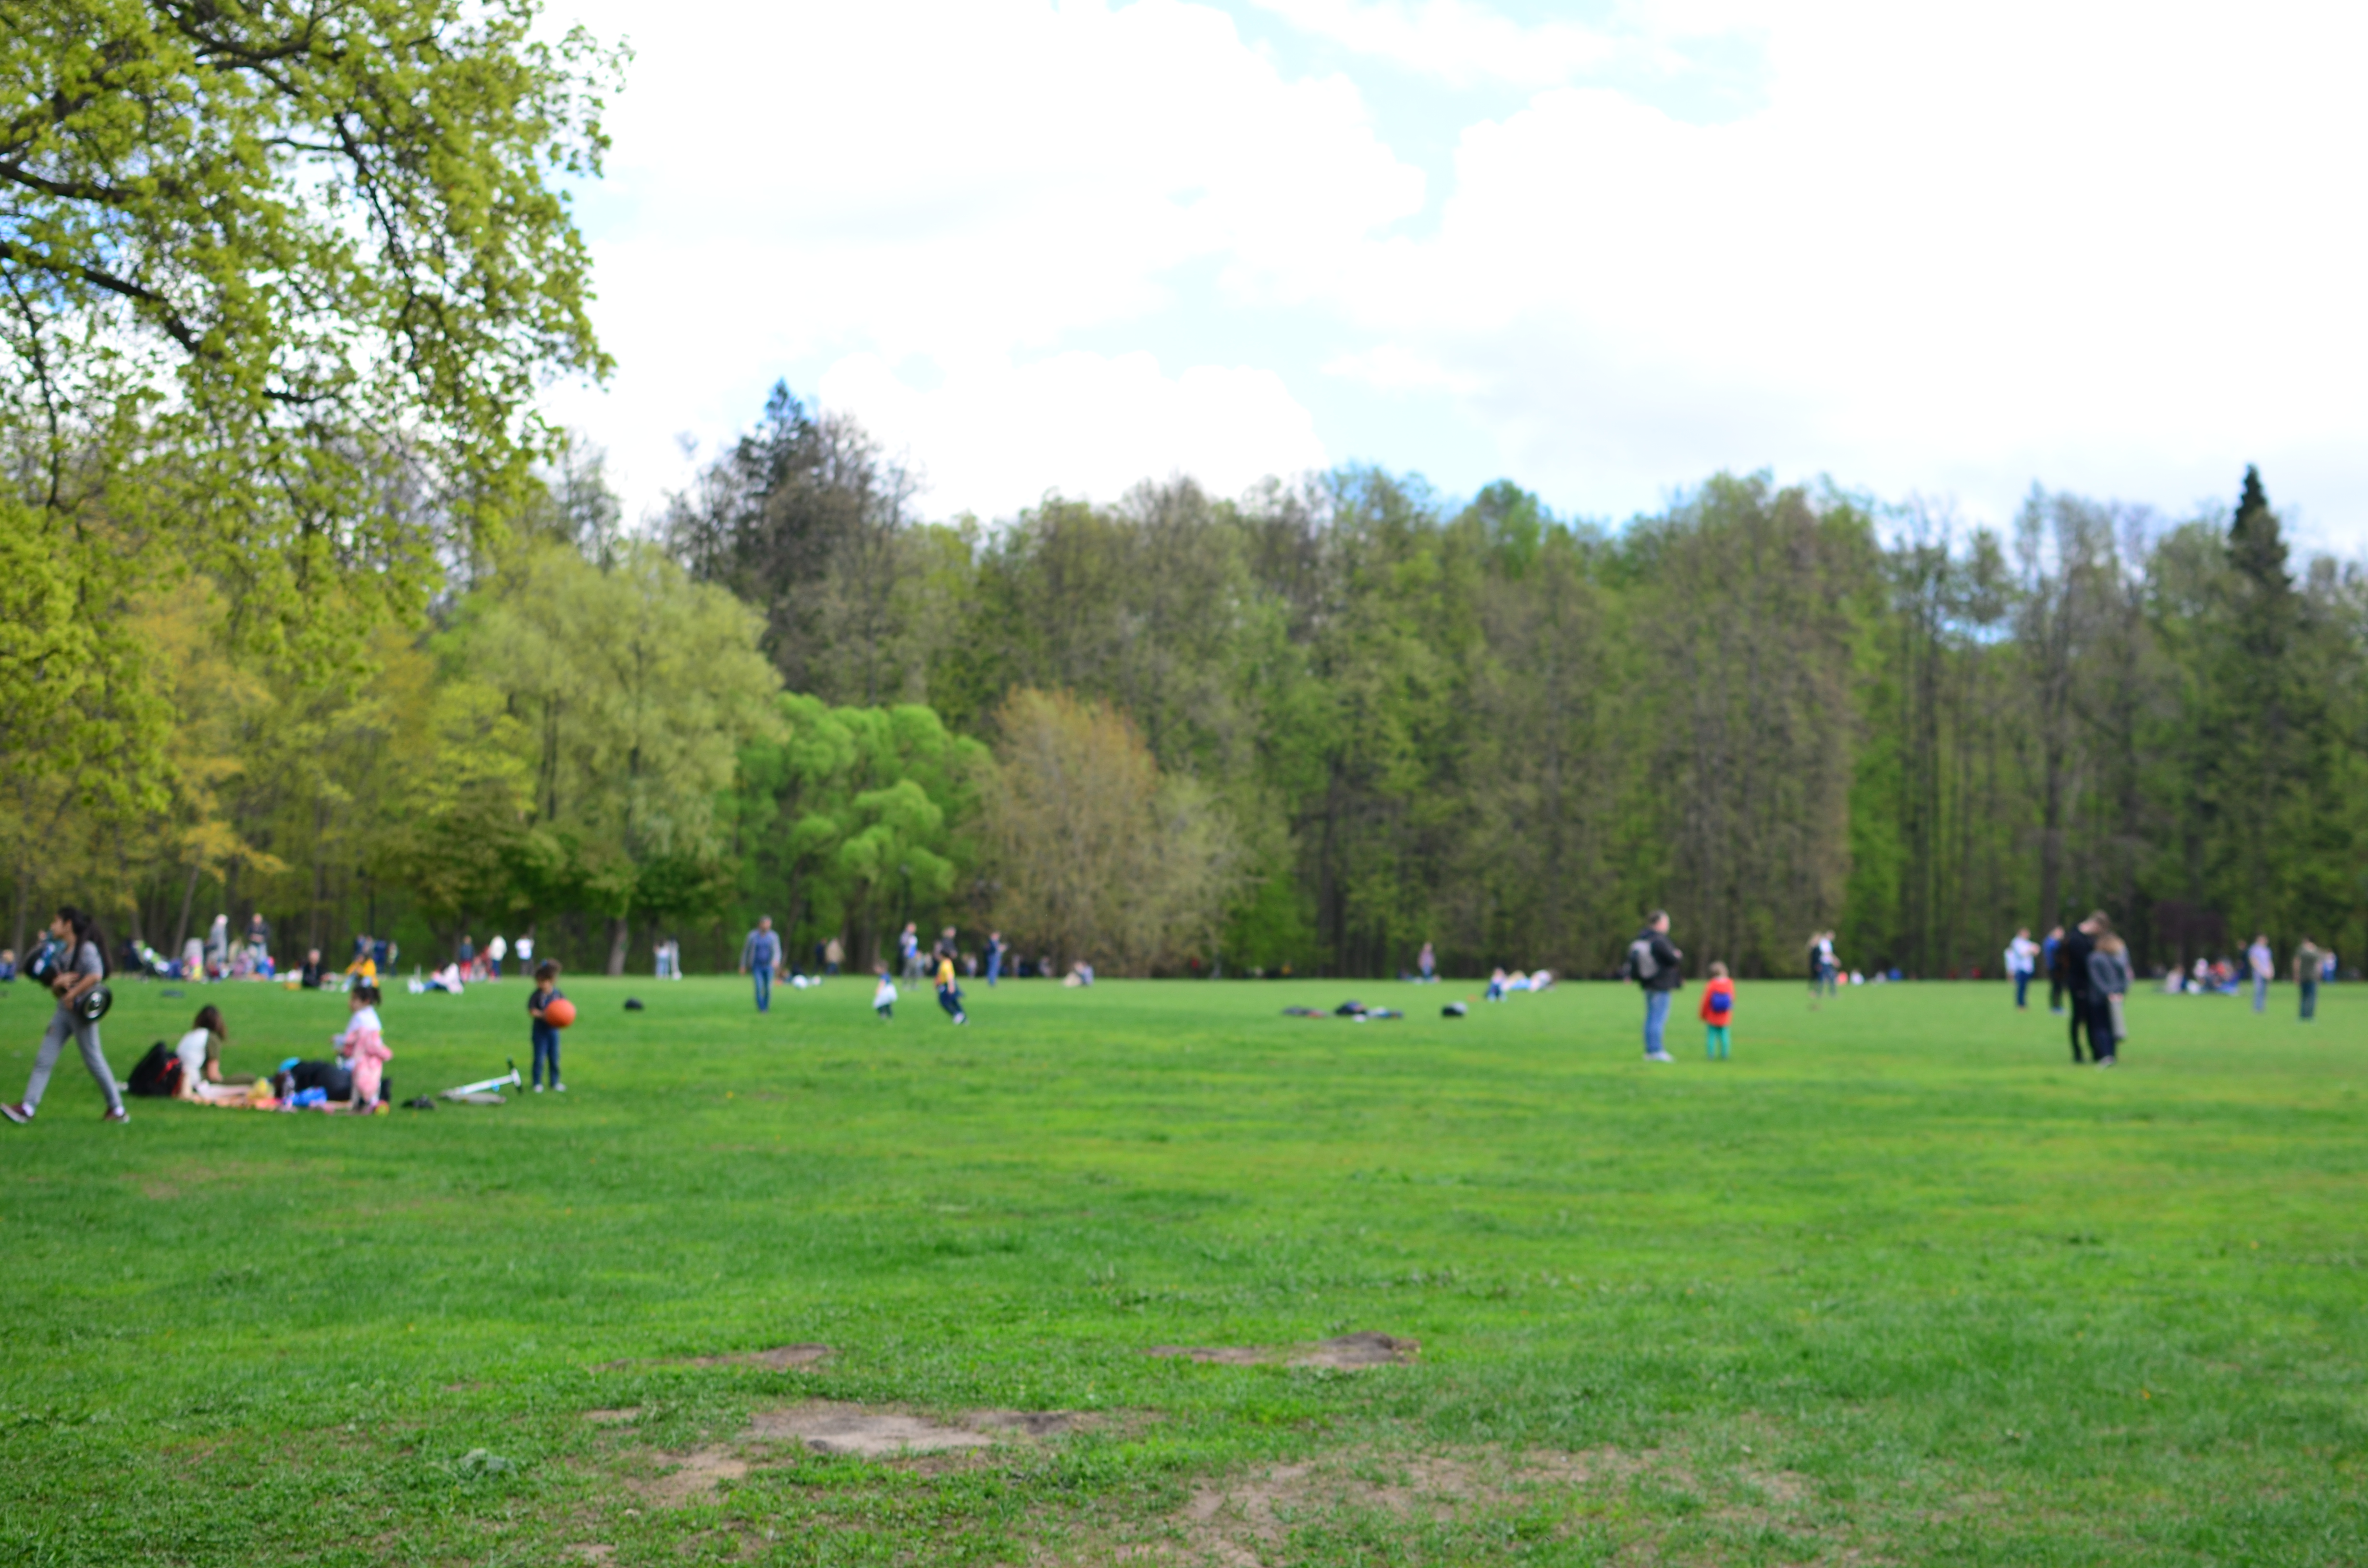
point(62, 1024)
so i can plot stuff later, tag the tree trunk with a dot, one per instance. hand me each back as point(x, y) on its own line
point(619, 930)
point(189, 901)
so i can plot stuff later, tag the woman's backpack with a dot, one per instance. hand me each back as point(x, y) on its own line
point(158, 1075)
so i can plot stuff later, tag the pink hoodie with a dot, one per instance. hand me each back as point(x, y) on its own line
point(363, 1045)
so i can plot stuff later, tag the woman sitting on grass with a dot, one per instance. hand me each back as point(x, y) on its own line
point(201, 1078)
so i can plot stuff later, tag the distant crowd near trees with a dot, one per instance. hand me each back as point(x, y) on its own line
point(1307, 728)
point(304, 611)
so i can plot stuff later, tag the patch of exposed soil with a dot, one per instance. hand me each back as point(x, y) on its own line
point(622, 1417)
point(828, 1427)
point(1347, 1352)
point(694, 1477)
point(588, 1552)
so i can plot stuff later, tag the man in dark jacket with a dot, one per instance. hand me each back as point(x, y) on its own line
point(1653, 964)
point(2073, 954)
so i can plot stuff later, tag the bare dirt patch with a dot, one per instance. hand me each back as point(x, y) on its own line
point(621, 1417)
point(1349, 1352)
point(694, 1476)
point(590, 1552)
point(825, 1426)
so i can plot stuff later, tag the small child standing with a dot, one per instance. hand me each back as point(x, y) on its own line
point(546, 1033)
point(364, 1045)
point(884, 995)
point(1717, 1012)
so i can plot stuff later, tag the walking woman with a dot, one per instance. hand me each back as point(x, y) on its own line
point(81, 971)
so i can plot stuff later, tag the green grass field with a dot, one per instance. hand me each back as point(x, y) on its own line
point(1895, 1284)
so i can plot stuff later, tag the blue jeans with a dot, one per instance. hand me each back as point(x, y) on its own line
point(2022, 986)
point(1656, 1020)
point(994, 964)
point(2260, 993)
point(764, 988)
point(546, 1048)
point(2309, 1000)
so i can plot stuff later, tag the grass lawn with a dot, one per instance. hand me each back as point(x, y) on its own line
point(1896, 1283)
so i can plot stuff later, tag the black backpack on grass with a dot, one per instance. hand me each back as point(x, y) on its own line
point(158, 1074)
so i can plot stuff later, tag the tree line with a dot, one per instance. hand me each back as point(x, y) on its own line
point(304, 611)
point(1305, 730)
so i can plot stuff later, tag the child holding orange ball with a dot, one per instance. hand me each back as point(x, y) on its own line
point(551, 1013)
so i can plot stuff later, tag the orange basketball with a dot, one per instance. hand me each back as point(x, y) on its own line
point(560, 1014)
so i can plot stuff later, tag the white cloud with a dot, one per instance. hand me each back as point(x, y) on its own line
point(2106, 246)
point(968, 182)
point(1458, 42)
point(1101, 425)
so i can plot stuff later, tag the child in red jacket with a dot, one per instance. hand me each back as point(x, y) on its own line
point(1717, 1011)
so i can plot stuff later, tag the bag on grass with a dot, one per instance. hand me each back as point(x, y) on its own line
point(158, 1074)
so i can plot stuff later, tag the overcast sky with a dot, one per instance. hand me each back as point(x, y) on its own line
point(1603, 250)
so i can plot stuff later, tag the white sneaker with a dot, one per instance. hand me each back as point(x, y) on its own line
point(1658, 1056)
point(538, 1088)
point(560, 1087)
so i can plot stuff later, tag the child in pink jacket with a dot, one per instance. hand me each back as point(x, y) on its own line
point(364, 1045)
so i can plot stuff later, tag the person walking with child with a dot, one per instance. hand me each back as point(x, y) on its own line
point(2072, 954)
point(81, 969)
point(546, 1033)
point(2108, 983)
point(1653, 964)
point(1717, 1012)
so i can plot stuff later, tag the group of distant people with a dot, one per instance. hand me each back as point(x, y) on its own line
point(943, 964)
point(2089, 979)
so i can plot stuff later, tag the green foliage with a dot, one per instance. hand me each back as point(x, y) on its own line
point(632, 690)
point(279, 284)
point(851, 820)
point(1097, 856)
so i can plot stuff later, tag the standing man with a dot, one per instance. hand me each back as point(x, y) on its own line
point(2308, 961)
point(1653, 964)
point(2022, 962)
point(2264, 964)
point(2072, 957)
point(495, 948)
point(761, 956)
point(467, 954)
point(2051, 958)
point(1426, 965)
point(994, 956)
